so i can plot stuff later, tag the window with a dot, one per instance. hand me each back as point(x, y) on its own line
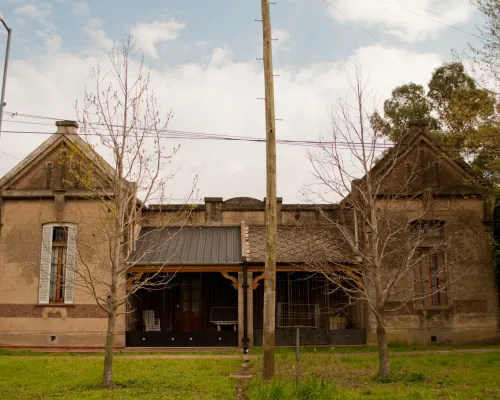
point(428, 230)
point(58, 262)
point(57, 265)
point(431, 264)
point(430, 279)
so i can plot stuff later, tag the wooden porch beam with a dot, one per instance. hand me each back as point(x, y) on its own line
point(134, 278)
point(185, 268)
point(255, 283)
point(231, 278)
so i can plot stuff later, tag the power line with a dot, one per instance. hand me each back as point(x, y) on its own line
point(359, 26)
point(10, 155)
point(437, 21)
point(305, 143)
point(107, 126)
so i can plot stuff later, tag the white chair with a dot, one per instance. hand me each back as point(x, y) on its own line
point(150, 322)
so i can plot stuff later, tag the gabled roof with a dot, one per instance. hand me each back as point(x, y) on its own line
point(418, 133)
point(63, 136)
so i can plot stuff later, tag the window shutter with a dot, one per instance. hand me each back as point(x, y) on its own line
point(69, 279)
point(44, 283)
point(418, 284)
point(443, 284)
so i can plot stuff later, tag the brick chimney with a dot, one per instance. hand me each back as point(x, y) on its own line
point(213, 210)
point(67, 127)
point(418, 125)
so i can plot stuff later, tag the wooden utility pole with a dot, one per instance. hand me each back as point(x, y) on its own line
point(271, 214)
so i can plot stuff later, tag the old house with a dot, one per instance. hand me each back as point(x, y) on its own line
point(214, 256)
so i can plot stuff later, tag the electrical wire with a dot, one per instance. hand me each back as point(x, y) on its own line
point(360, 27)
point(10, 155)
point(437, 21)
point(191, 135)
point(305, 143)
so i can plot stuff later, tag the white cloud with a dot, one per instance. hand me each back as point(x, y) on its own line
point(283, 38)
point(403, 20)
point(80, 9)
point(52, 42)
point(41, 12)
point(148, 35)
point(216, 97)
point(100, 41)
point(220, 57)
point(31, 10)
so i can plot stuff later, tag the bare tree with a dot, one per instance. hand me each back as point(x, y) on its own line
point(389, 225)
point(121, 119)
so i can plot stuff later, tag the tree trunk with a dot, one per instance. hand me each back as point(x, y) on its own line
point(107, 380)
point(384, 367)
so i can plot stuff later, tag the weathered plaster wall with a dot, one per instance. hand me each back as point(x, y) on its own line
point(22, 321)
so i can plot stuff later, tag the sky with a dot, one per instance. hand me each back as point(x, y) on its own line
point(204, 65)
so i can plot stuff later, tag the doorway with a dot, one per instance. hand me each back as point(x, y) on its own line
point(188, 304)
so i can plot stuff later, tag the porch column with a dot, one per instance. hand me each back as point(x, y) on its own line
point(241, 309)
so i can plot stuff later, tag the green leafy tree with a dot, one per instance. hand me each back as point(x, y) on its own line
point(408, 102)
point(464, 116)
point(485, 57)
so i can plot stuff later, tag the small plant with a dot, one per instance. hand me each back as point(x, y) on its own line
point(402, 375)
point(416, 377)
point(312, 389)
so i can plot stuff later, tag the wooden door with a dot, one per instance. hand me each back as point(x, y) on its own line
point(189, 304)
point(190, 308)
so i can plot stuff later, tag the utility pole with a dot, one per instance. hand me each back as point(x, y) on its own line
point(6, 64)
point(268, 344)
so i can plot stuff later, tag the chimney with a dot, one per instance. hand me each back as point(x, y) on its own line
point(418, 125)
point(213, 210)
point(67, 127)
point(279, 207)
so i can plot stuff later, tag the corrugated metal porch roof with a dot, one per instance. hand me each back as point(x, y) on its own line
point(188, 245)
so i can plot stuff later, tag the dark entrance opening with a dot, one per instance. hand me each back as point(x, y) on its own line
point(187, 313)
point(195, 310)
point(307, 300)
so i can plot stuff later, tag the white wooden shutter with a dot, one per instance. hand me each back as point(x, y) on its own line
point(69, 278)
point(45, 261)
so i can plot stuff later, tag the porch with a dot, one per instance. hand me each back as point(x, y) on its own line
point(309, 302)
point(207, 309)
point(215, 296)
point(195, 310)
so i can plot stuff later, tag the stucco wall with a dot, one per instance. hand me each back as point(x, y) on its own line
point(471, 313)
point(22, 321)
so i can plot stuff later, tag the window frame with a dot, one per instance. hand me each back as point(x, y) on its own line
point(62, 248)
point(66, 265)
point(424, 284)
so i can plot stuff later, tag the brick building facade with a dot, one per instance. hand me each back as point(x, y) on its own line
point(215, 256)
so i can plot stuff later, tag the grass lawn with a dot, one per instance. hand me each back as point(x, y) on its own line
point(78, 378)
point(394, 347)
point(327, 373)
point(433, 376)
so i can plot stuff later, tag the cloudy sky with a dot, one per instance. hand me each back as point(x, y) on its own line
point(203, 59)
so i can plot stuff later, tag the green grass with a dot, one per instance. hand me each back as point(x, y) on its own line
point(433, 376)
point(327, 373)
point(78, 378)
point(36, 353)
point(394, 347)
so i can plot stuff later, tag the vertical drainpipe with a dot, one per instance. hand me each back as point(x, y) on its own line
point(245, 305)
